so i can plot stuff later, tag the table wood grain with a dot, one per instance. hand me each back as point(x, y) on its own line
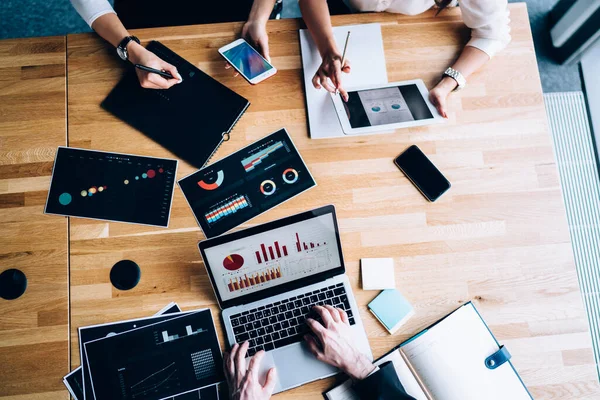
point(34, 329)
point(499, 237)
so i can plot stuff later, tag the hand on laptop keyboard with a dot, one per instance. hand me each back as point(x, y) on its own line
point(331, 342)
point(282, 323)
point(243, 381)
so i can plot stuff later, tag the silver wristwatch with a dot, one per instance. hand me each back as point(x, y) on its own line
point(457, 76)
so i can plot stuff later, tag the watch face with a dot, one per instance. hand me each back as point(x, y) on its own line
point(122, 53)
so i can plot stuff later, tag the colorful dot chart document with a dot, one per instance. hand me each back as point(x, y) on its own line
point(246, 183)
point(112, 186)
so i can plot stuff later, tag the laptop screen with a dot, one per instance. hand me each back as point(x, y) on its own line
point(271, 255)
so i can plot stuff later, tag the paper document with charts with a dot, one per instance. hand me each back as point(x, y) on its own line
point(157, 361)
point(246, 183)
point(112, 186)
point(450, 360)
point(367, 60)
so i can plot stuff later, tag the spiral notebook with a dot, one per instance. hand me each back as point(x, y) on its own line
point(191, 119)
point(457, 358)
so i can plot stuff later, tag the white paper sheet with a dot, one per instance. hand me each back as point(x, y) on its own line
point(450, 360)
point(365, 53)
point(410, 384)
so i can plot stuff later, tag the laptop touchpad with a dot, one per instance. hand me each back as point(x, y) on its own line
point(296, 365)
point(265, 365)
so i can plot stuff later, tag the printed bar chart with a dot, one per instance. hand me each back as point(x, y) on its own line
point(230, 207)
point(250, 162)
point(246, 281)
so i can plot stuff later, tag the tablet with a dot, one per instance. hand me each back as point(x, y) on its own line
point(382, 108)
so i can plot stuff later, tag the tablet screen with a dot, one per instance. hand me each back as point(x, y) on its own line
point(384, 106)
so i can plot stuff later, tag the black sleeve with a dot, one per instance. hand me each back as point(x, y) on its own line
point(382, 385)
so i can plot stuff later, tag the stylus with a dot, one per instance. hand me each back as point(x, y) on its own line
point(345, 48)
point(164, 74)
point(344, 54)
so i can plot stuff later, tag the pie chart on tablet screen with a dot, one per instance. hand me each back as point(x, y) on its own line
point(233, 262)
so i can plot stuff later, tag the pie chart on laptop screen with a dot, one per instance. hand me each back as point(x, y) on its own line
point(233, 262)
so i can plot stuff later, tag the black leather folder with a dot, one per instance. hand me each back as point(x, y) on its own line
point(191, 119)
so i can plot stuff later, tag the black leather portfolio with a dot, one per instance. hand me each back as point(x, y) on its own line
point(191, 119)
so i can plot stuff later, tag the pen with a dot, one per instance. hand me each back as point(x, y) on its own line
point(164, 74)
point(344, 55)
point(345, 48)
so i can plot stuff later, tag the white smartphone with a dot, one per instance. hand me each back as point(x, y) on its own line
point(383, 108)
point(247, 61)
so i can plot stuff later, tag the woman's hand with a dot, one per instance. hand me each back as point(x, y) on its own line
point(255, 33)
point(335, 343)
point(243, 382)
point(332, 68)
point(139, 55)
point(440, 92)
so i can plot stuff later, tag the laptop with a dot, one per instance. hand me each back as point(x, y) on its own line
point(268, 278)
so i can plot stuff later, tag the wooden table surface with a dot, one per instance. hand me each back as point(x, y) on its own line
point(34, 331)
point(499, 237)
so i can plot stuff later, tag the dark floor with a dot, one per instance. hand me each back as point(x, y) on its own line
point(27, 18)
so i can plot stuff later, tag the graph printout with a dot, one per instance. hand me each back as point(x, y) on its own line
point(94, 332)
point(157, 361)
point(271, 258)
point(247, 183)
point(112, 186)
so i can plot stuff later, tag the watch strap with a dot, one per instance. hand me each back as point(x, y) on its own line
point(461, 82)
point(122, 47)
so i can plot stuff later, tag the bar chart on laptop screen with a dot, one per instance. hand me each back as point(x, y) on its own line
point(274, 257)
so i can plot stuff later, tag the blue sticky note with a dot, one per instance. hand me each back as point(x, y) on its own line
point(391, 309)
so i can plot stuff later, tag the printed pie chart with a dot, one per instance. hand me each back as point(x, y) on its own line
point(212, 182)
point(233, 262)
point(290, 175)
point(268, 187)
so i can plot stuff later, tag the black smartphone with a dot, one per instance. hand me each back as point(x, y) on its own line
point(422, 173)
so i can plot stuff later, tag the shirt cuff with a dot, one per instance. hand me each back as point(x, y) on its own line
point(372, 372)
point(488, 46)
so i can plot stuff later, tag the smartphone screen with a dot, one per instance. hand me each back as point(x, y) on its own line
point(247, 60)
point(422, 173)
point(386, 106)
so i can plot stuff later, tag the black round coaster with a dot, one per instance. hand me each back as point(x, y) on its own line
point(125, 275)
point(13, 283)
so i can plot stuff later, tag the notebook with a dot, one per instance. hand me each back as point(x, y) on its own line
point(191, 119)
point(457, 358)
point(365, 52)
point(391, 309)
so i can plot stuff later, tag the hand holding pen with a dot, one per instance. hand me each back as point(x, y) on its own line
point(331, 68)
point(153, 72)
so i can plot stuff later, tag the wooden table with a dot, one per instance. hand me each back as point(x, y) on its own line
point(499, 237)
point(34, 331)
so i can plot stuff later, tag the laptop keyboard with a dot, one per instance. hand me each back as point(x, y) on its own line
point(284, 322)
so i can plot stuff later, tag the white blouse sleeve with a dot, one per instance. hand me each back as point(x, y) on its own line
point(90, 10)
point(489, 22)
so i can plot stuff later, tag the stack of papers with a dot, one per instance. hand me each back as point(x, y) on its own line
point(172, 355)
